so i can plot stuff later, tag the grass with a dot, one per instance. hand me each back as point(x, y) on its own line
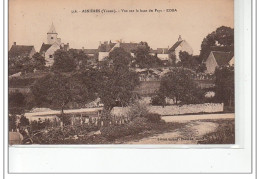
point(224, 134)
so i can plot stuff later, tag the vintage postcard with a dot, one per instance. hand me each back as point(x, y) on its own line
point(121, 72)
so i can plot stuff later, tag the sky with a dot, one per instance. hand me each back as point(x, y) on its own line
point(30, 20)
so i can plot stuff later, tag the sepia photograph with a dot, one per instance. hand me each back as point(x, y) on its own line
point(147, 72)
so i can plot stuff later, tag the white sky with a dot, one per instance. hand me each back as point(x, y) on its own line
point(30, 20)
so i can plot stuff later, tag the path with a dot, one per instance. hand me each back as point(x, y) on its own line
point(196, 128)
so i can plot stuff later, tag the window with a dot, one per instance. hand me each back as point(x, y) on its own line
point(50, 56)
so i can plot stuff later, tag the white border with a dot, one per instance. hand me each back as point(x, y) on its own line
point(107, 160)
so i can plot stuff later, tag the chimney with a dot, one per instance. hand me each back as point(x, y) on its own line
point(106, 42)
point(179, 39)
point(14, 43)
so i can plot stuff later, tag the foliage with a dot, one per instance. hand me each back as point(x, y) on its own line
point(143, 59)
point(80, 59)
point(223, 36)
point(225, 90)
point(153, 117)
point(179, 86)
point(12, 122)
point(24, 121)
point(137, 109)
point(116, 131)
point(225, 134)
point(188, 61)
point(117, 81)
point(16, 99)
point(63, 61)
point(158, 100)
point(201, 68)
point(39, 61)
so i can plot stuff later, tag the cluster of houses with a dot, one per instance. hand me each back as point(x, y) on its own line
point(150, 78)
point(216, 57)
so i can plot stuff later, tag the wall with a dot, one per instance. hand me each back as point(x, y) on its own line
point(102, 55)
point(185, 47)
point(211, 63)
point(50, 51)
point(176, 109)
point(163, 56)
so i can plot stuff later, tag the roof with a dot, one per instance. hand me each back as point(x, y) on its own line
point(52, 30)
point(219, 49)
point(129, 47)
point(45, 47)
point(90, 51)
point(20, 50)
point(162, 50)
point(175, 46)
point(222, 58)
point(106, 47)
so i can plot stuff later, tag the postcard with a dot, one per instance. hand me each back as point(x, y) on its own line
point(121, 72)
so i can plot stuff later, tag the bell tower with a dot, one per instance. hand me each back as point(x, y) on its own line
point(52, 35)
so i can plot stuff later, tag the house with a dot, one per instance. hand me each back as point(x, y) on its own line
point(180, 45)
point(161, 53)
point(21, 51)
point(53, 44)
point(107, 47)
point(218, 59)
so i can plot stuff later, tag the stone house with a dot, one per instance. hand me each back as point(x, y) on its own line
point(107, 47)
point(53, 44)
point(180, 45)
point(21, 51)
point(218, 59)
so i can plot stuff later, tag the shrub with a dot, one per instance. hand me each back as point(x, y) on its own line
point(137, 109)
point(153, 117)
point(136, 126)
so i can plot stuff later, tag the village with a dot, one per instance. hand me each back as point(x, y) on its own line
point(122, 92)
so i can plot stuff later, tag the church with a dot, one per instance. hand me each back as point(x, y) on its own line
point(53, 43)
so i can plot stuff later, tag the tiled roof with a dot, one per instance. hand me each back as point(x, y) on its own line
point(129, 47)
point(162, 51)
point(20, 50)
point(175, 46)
point(90, 51)
point(106, 47)
point(222, 58)
point(45, 47)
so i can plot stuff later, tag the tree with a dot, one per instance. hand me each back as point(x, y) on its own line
point(188, 61)
point(24, 121)
point(223, 36)
point(117, 80)
point(63, 61)
point(143, 59)
point(39, 61)
point(16, 99)
point(225, 89)
point(80, 59)
point(179, 85)
point(58, 91)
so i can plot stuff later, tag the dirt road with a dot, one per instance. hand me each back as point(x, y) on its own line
point(197, 126)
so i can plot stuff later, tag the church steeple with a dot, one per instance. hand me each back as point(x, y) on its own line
point(52, 35)
point(52, 30)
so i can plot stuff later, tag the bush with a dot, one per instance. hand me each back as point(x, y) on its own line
point(136, 126)
point(137, 109)
point(153, 117)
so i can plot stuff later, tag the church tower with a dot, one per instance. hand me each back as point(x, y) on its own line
point(52, 35)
